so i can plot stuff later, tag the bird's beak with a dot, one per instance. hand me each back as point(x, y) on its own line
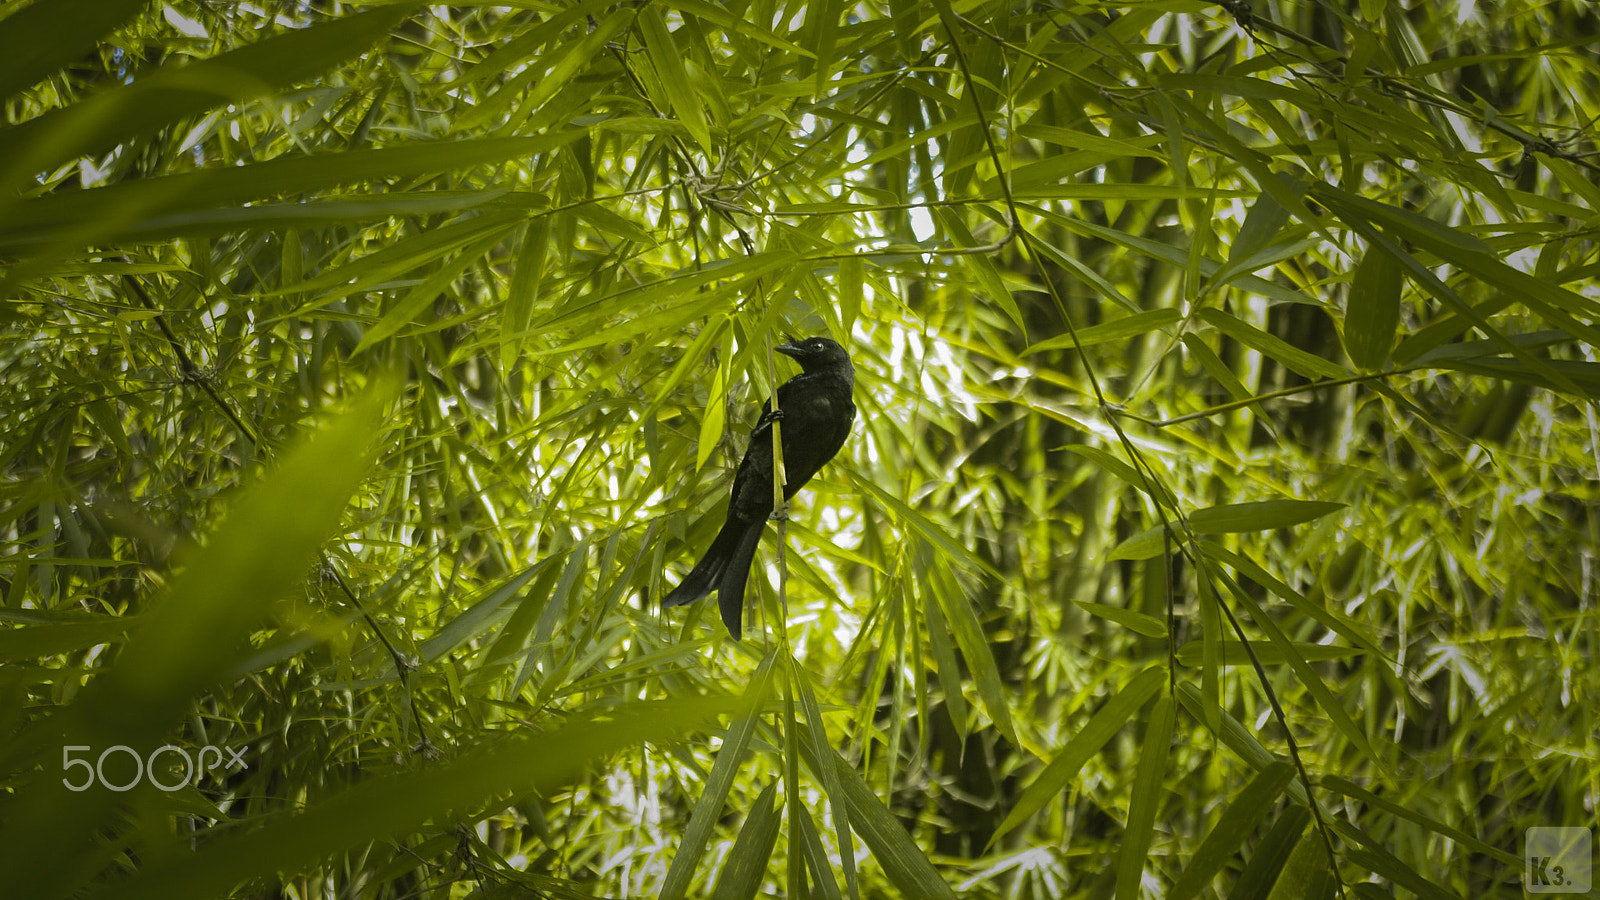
point(791, 349)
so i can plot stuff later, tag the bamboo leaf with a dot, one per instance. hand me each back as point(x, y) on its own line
point(1260, 515)
point(668, 61)
point(1146, 802)
point(134, 110)
point(1242, 817)
point(1116, 330)
point(36, 40)
point(1274, 348)
point(1100, 729)
point(409, 307)
point(714, 797)
point(393, 806)
point(1137, 622)
point(902, 861)
point(751, 856)
point(1261, 871)
point(263, 549)
point(1373, 312)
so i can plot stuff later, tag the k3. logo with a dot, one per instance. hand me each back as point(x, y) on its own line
point(1559, 860)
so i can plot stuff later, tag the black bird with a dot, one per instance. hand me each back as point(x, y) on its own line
point(816, 411)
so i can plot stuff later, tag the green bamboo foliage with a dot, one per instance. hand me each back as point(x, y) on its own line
point(1218, 520)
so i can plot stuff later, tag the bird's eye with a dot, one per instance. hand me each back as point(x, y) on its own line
point(816, 345)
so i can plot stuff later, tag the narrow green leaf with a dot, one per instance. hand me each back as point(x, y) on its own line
point(613, 225)
point(902, 861)
point(555, 610)
point(1354, 791)
point(160, 98)
point(36, 641)
point(982, 267)
point(389, 807)
point(407, 309)
point(716, 414)
point(822, 19)
point(1376, 858)
point(1046, 175)
point(1137, 622)
point(1122, 329)
point(1080, 190)
point(794, 800)
point(817, 732)
point(751, 856)
point(1557, 305)
point(37, 40)
point(264, 547)
point(1075, 139)
point(1234, 654)
point(1373, 312)
point(1261, 870)
point(1262, 225)
point(1148, 790)
point(399, 258)
point(1242, 817)
point(1274, 348)
point(126, 204)
point(970, 637)
point(1330, 705)
point(1490, 350)
point(714, 797)
point(668, 62)
point(949, 546)
point(727, 20)
point(1259, 242)
point(804, 836)
point(1100, 729)
point(353, 210)
point(1579, 377)
point(1307, 873)
point(711, 334)
point(897, 150)
point(480, 617)
point(1088, 275)
point(1237, 737)
point(1174, 254)
point(1261, 515)
point(1121, 470)
point(545, 76)
point(523, 293)
point(949, 671)
point(1219, 370)
point(674, 300)
point(553, 27)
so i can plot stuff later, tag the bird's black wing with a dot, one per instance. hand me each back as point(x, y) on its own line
point(817, 415)
point(726, 564)
point(816, 411)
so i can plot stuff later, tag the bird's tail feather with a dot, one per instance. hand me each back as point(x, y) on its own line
point(708, 571)
point(736, 571)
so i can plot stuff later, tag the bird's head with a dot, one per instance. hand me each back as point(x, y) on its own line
point(815, 354)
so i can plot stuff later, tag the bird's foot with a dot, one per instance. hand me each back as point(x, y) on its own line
point(781, 514)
